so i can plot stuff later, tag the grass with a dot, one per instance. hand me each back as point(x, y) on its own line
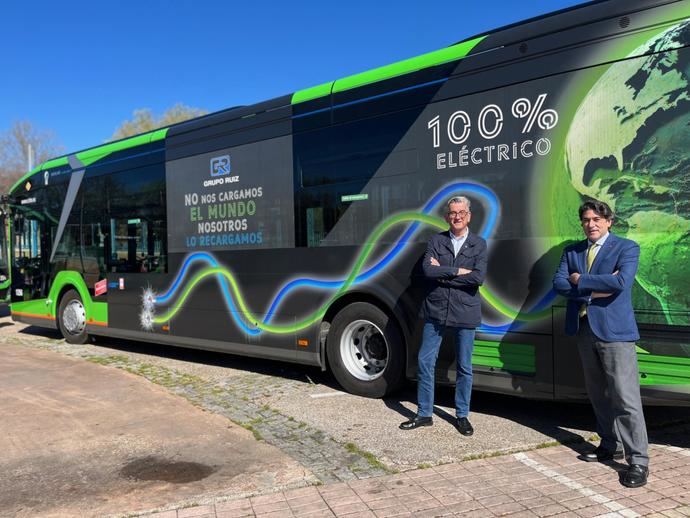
point(369, 457)
point(255, 432)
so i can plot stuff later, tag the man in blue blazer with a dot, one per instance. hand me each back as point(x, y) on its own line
point(596, 276)
point(455, 266)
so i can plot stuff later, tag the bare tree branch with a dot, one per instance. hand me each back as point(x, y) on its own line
point(14, 151)
point(143, 120)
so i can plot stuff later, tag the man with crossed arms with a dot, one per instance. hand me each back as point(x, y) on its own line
point(596, 276)
point(455, 266)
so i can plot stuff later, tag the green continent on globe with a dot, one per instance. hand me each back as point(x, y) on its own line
point(629, 145)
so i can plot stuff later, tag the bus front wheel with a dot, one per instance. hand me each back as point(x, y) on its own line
point(72, 318)
point(365, 350)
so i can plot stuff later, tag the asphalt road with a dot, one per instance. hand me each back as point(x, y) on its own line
point(299, 417)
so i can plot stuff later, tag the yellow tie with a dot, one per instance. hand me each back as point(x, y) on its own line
point(591, 255)
point(590, 259)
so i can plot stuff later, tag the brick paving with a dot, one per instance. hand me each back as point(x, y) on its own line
point(539, 483)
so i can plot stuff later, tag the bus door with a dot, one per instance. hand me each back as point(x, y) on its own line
point(29, 261)
point(4, 254)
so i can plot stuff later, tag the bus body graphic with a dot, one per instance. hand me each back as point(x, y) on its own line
point(294, 229)
point(179, 289)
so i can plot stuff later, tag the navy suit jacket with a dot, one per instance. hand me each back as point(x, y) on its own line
point(611, 318)
point(453, 300)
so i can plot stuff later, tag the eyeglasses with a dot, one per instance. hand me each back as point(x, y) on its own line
point(455, 214)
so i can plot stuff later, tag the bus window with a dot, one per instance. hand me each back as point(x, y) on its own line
point(136, 245)
point(137, 221)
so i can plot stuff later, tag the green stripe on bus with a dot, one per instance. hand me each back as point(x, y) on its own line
point(24, 178)
point(33, 307)
point(55, 162)
point(90, 156)
point(431, 59)
point(312, 93)
point(663, 370)
point(511, 357)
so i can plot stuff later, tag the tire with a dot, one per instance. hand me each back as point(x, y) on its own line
point(365, 351)
point(72, 318)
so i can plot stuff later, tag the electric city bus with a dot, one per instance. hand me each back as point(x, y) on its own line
point(294, 229)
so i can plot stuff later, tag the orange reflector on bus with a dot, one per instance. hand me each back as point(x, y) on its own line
point(166, 328)
point(303, 343)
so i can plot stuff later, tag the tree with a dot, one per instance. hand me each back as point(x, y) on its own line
point(14, 151)
point(143, 120)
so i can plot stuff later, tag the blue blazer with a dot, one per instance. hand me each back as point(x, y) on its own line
point(611, 318)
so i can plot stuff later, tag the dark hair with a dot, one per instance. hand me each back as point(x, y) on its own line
point(599, 207)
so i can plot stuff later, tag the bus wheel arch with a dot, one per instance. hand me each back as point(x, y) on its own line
point(365, 348)
point(71, 317)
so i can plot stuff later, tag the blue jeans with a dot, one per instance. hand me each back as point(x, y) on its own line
point(428, 353)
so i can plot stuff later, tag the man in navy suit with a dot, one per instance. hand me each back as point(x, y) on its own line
point(455, 266)
point(596, 276)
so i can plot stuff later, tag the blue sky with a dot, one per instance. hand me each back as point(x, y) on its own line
point(79, 69)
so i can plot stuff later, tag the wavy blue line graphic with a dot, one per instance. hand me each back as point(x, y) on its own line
point(492, 215)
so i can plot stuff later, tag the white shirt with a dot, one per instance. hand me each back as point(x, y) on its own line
point(458, 241)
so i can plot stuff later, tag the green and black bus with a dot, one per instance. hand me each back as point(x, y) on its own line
point(293, 229)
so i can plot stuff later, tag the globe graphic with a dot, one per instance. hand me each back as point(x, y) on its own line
point(629, 145)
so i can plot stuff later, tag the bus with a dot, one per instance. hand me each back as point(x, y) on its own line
point(293, 229)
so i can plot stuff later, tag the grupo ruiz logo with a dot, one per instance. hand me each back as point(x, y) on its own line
point(220, 165)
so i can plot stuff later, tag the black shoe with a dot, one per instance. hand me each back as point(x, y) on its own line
point(636, 476)
point(416, 422)
point(602, 455)
point(464, 427)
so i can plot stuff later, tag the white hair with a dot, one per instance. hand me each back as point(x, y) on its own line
point(458, 199)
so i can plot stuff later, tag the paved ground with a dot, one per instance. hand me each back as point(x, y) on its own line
point(346, 444)
point(544, 482)
point(113, 441)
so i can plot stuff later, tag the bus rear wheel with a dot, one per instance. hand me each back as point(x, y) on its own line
point(72, 318)
point(365, 350)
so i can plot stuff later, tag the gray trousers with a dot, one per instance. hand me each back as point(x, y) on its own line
point(613, 384)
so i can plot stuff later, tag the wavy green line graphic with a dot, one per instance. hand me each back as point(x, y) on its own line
point(404, 217)
point(319, 313)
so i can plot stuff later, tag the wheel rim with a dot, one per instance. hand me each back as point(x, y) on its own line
point(74, 317)
point(364, 350)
